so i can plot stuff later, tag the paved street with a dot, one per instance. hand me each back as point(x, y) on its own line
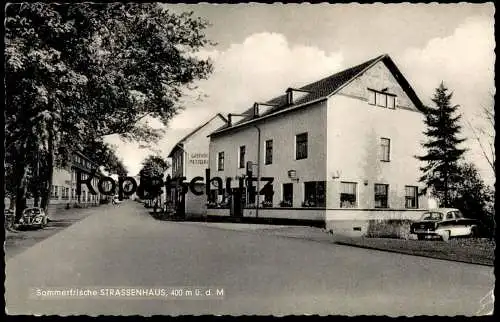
point(259, 271)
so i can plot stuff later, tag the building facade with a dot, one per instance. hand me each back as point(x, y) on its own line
point(64, 184)
point(339, 149)
point(190, 159)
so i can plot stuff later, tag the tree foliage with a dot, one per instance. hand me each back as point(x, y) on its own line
point(473, 197)
point(153, 169)
point(154, 166)
point(441, 170)
point(78, 72)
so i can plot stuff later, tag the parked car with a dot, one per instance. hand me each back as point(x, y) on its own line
point(33, 217)
point(444, 223)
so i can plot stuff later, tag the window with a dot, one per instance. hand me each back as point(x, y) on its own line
point(371, 97)
point(220, 163)
point(54, 192)
point(385, 149)
point(314, 194)
point(382, 99)
point(391, 101)
point(348, 195)
point(269, 152)
point(449, 215)
point(301, 146)
point(411, 197)
point(287, 195)
point(381, 195)
point(242, 156)
point(268, 199)
point(432, 216)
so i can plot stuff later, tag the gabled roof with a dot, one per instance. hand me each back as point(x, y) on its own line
point(185, 138)
point(322, 89)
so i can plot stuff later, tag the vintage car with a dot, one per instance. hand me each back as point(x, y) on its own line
point(33, 217)
point(444, 223)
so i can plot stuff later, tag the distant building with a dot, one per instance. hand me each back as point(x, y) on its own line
point(64, 187)
point(340, 148)
point(190, 159)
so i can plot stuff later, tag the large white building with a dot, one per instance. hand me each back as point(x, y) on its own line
point(339, 149)
point(190, 160)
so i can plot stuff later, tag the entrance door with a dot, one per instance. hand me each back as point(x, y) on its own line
point(181, 205)
point(236, 205)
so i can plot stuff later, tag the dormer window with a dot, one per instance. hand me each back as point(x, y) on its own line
point(293, 95)
point(381, 98)
point(260, 109)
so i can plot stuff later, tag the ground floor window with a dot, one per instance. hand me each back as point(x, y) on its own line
point(314, 194)
point(268, 199)
point(411, 197)
point(381, 195)
point(54, 194)
point(348, 192)
point(287, 195)
point(217, 200)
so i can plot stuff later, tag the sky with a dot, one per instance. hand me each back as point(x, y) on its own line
point(264, 48)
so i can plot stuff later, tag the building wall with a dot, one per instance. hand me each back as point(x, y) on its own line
point(197, 149)
point(193, 160)
point(354, 132)
point(282, 130)
point(196, 205)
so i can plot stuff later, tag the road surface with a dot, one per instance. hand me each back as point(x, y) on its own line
point(258, 272)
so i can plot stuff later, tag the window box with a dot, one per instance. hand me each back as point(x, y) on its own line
point(286, 203)
point(267, 204)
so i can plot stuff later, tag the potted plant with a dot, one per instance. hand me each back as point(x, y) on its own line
point(267, 204)
point(285, 203)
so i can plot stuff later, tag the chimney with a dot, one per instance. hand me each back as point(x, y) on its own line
point(255, 109)
point(289, 96)
point(229, 121)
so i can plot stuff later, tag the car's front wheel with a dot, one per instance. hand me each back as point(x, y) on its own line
point(474, 232)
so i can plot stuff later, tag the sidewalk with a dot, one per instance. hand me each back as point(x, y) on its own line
point(16, 241)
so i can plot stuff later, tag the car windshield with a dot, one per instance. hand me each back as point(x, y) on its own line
point(32, 211)
point(432, 216)
point(458, 214)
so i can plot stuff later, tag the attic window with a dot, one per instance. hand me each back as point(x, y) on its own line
point(294, 95)
point(260, 109)
point(381, 99)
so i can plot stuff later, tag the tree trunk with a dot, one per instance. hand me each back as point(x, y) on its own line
point(36, 199)
point(20, 172)
point(50, 172)
point(12, 202)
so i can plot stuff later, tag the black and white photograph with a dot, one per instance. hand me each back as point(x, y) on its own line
point(249, 159)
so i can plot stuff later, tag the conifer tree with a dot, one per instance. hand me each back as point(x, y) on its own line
point(441, 170)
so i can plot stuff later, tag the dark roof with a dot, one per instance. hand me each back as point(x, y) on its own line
point(322, 89)
point(181, 141)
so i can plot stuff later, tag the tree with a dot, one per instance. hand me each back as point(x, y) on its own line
point(485, 133)
point(153, 168)
point(473, 197)
point(441, 170)
point(79, 71)
point(104, 155)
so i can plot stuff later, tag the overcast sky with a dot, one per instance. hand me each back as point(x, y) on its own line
point(263, 49)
